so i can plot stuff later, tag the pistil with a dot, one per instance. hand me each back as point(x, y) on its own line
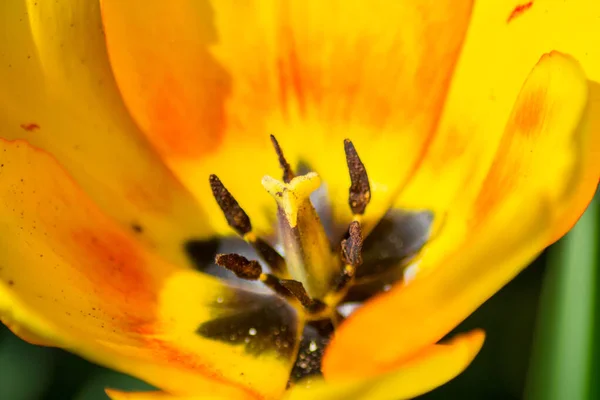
point(308, 254)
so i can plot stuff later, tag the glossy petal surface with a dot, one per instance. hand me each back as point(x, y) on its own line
point(58, 93)
point(208, 81)
point(545, 171)
point(70, 275)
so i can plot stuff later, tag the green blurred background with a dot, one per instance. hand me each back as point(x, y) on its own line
point(541, 331)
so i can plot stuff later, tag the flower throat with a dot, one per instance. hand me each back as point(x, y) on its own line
point(313, 276)
point(319, 282)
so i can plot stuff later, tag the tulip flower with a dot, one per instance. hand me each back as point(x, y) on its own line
point(285, 199)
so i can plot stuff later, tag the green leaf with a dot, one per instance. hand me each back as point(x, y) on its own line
point(561, 366)
point(25, 370)
point(94, 388)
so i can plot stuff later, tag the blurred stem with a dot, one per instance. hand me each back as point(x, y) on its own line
point(561, 364)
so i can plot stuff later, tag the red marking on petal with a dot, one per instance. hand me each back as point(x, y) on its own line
point(112, 264)
point(118, 271)
point(520, 9)
point(30, 127)
point(291, 85)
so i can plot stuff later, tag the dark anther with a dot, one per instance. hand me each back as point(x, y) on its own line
point(352, 246)
point(297, 290)
point(360, 191)
point(236, 216)
point(351, 256)
point(288, 174)
point(240, 222)
point(240, 266)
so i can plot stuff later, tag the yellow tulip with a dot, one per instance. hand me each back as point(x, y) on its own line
point(431, 149)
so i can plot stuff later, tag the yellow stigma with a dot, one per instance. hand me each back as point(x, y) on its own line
point(290, 197)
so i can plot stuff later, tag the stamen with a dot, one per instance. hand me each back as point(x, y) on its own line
point(240, 222)
point(288, 174)
point(297, 289)
point(352, 247)
point(360, 190)
point(235, 215)
point(274, 283)
point(240, 266)
point(351, 256)
point(251, 270)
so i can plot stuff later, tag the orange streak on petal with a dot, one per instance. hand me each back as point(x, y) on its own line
point(527, 122)
point(165, 351)
point(523, 129)
point(170, 81)
point(30, 127)
point(296, 79)
point(96, 290)
point(108, 253)
point(519, 10)
point(174, 131)
point(171, 355)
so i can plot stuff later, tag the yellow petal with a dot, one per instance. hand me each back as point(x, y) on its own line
point(546, 171)
point(208, 83)
point(505, 39)
point(434, 366)
point(23, 332)
point(119, 395)
point(72, 277)
point(548, 144)
point(58, 93)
